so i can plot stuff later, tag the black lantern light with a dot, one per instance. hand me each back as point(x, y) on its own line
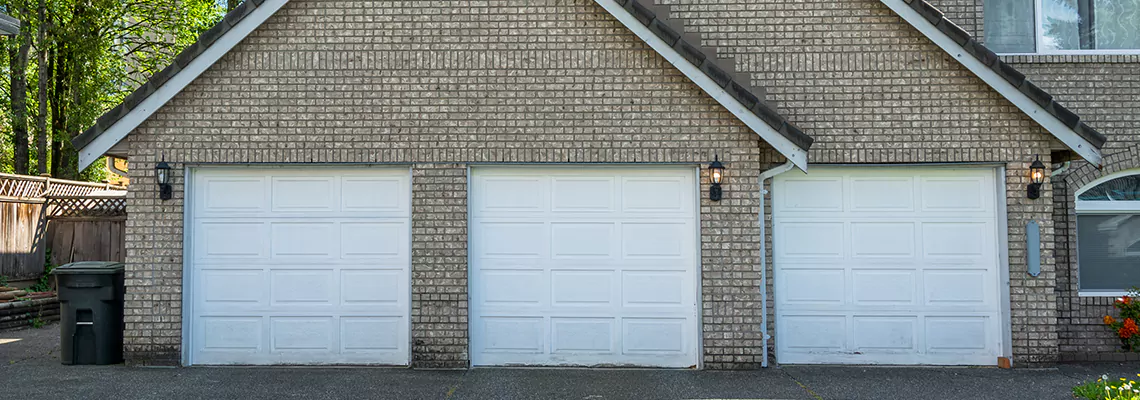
point(1036, 178)
point(716, 175)
point(162, 173)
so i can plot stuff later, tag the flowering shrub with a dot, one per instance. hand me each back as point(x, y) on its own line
point(1126, 327)
point(1105, 389)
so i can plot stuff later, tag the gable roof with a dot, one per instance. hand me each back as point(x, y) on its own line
point(9, 25)
point(1064, 124)
point(106, 136)
point(682, 50)
point(716, 77)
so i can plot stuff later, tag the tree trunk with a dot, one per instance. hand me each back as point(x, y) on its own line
point(41, 68)
point(18, 57)
point(57, 118)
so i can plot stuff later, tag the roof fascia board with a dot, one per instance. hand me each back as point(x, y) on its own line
point(1063, 133)
point(121, 128)
point(788, 149)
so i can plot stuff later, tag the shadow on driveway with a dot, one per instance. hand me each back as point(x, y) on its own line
point(30, 366)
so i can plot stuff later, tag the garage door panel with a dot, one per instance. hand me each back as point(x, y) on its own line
point(807, 240)
point(373, 239)
point(373, 287)
point(583, 335)
point(875, 194)
point(513, 334)
point(655, 289)
point(958, 334)
point(583, 194)
point(304, 194)
point(956, 240)
point(578, 288)
point(231, 194)
point(518, 288)
point(301, 333)
point(882, 239)
point(311, 277)
point(809, 194)
point(290, 240)
point(958, 287)
point(223, 287)
point(883, 334)
point(646, 240)
point(513, 239)
point(956, 194)
point(374, 195)
point(372, 334)
point(884, 287)
point(231, 333)
point(575, 240)
point(561, 282)
point(302, 286)
point(812, 287)
point(215, 240)
point(511, 194)
point(664, 336)
point(905, 272)
point(813, 332)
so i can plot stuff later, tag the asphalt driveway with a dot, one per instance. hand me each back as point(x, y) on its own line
point(29, 367)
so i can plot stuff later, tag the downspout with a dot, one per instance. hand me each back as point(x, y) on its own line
point(764, 257)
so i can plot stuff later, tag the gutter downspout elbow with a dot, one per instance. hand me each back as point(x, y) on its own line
point(764, 257)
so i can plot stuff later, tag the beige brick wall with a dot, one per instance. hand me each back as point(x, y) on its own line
point(872, 89)
point(439, 88)
point(1105, 91)
point(554, 82)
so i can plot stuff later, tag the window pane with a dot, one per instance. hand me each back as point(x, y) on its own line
point(1009, 26)
point(1125, 188)
point(1108, 251)
point(1116, 24)
point(1060, 25)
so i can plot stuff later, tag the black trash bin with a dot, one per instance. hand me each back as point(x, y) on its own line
point(91, 312)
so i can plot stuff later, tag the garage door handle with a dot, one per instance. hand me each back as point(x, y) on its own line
point(85, 323)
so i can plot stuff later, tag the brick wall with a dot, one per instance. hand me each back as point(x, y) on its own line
point(1105, 91)
point(872, 89)
point(438, 89)
point(561, 81)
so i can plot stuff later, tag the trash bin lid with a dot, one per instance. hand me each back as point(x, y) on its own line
point(89, 267)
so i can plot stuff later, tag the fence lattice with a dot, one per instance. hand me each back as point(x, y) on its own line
point(86, 206)
point(36, 187)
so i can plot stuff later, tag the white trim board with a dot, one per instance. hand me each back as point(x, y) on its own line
point(794, 153)
point(135, 117)
point(1063, 133)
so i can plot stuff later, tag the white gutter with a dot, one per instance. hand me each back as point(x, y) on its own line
point(764, 257)
point(1059, 171)
point(788, 149)
point(995, 81)
point(135, 117)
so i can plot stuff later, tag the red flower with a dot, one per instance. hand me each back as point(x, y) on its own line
point(1108, 320)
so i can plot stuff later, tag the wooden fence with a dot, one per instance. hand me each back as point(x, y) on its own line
point(77, 221)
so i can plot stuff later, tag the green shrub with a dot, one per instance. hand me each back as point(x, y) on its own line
point(1105, 389)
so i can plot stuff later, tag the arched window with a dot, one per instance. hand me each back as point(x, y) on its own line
point(1108, 235)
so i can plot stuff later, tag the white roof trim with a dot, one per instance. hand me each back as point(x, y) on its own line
point(794, 153)
point(1020, 100)
point(135, 117)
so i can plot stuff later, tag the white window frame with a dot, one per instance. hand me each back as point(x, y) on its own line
point(1093, 207)
point(1039, 37)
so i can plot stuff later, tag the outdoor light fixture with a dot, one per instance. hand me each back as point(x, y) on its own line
point(1036, 178)
point(716, 175)
point(162, 173)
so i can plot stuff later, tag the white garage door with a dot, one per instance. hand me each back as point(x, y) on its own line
point(579, 266)
point(887, 266)
point(299, 266)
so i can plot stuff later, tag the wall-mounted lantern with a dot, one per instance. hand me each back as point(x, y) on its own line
point(162, 173)
point(1036, 179)
point(716, 175)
